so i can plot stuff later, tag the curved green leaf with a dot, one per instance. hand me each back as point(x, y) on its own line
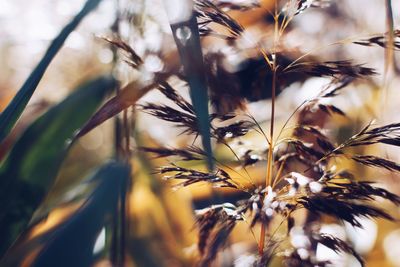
point(13, 111)
point(32, 164)
point(72, 242)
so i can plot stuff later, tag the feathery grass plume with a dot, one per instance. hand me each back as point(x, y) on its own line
point(387, 134)
point(181, 119)
point(186, 118)
point(329, 195)
point(304, 175)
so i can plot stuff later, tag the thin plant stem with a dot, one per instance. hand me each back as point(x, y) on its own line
point(122, 225)
point(122, 220)
point(278, 174)
point(115, 244)
point(121, 131)
point(272, 124)
point(126, 135)
point(270, 159)
point(269, 162)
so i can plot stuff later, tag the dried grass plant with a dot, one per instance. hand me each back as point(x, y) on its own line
point(305, 179)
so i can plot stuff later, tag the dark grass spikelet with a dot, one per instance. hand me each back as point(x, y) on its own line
point(334, 87)
point(251, 157)
point(206, 224)
point(325, 145)
point(358, 190)
point(322, 140)
point(161, 152)
point(331, 109)
point(306, 149)
point(186, 118)
point(341, 209)
point(219, 178)
point(338, 245)
point(181, 119)
point(382, 41)
point(132, 58)
point(217, 241)
point(208, 13)
point(373, 161)
point(233, 130)
point(387, 134)
point(173, 95)
point(332, 69)
point(215, 224)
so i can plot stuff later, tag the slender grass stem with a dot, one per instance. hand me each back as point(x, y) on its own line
point(121, 132)
point(270, 159)
point(126, 135)
point(272, 125)
point(278, 174)
point(118, 151)
point(270, 156)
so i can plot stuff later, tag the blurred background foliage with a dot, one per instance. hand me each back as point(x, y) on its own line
point(161, 220)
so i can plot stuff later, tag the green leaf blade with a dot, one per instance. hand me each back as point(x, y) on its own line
point(13, 111)
point(72, 242)
point(32, 164)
